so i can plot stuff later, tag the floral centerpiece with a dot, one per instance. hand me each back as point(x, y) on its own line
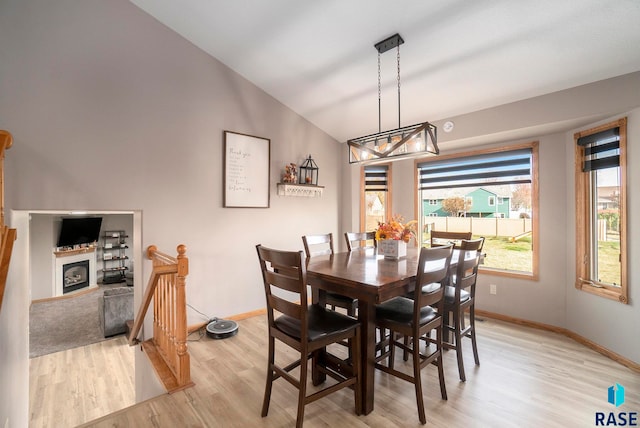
point(393, 235)
point(396, 229)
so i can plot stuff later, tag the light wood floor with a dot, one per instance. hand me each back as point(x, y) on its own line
point(78, 385)
point(527, 378)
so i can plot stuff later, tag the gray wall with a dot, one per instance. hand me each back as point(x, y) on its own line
point(43, 239)
point(112, 111)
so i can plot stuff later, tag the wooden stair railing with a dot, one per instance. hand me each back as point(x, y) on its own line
point(7, 236)
point(167, 349)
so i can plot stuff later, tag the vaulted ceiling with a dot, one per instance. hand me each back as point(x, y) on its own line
point(459, 56)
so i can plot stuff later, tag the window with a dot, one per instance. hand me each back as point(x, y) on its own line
point(433, 214)
point(433, 202)
point(500, 200)
point(467, 185)
point(601, 257)
point(375, 198)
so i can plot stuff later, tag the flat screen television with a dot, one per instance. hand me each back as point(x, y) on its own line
point(79, 230)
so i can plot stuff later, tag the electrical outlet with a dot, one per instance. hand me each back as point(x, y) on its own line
point(493, 289)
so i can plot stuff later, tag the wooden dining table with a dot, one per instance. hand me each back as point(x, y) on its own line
point(372, 279)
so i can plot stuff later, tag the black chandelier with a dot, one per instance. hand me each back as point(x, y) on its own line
point(413, 140)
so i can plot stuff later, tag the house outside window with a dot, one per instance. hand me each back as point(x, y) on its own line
point(601, 224)
point(375, 200)
point(468, 185)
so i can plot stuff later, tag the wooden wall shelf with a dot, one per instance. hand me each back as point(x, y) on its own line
point(67, 253)
point(305, 190)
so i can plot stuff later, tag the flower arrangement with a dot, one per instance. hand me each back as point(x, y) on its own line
point(396, 229)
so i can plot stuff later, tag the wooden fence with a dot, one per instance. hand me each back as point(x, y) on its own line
point(505, 227)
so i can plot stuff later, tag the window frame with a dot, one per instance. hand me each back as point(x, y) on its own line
point(363, 199)
point(584, 235)
point(535, 210)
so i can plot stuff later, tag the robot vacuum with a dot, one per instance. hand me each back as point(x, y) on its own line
point(221, 329)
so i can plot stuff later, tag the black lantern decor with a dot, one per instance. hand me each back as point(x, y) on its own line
point(309, 172)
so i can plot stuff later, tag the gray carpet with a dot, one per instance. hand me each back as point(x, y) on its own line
point(62, 324)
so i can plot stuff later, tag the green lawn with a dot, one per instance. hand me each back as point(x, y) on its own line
point(502, 254)
point(609, 262)
point(518, 256)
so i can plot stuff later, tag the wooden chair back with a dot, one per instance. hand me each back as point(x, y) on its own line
point(318, 245)
point(467, 267)
point(433, 270)
point(284, 270)
point(356, 240)
point(439, 238)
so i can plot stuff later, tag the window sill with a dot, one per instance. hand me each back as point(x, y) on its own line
point(508, 273)
point(602, 292)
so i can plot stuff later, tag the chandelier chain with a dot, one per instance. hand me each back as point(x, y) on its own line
point(379, 93)
point(398, 60)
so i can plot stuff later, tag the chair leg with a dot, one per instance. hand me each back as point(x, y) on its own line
point(302, 394)
point(269, 384)
point(458, 343)
point(439, 362)
point(446, 321)
point(405, 353)
point(357, 370)
point(417, 381)
point(351, 311)
point(474, 345)
point(392, 348)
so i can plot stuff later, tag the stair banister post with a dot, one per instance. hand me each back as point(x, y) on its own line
point(181, 315)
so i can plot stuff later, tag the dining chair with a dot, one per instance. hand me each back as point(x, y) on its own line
point(306, 328)
point(460, 297)
point(440, 237)
point(356, 240)
point(415, 318)
point(316, 245)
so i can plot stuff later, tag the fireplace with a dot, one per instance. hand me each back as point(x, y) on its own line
point(75, 276)
point(74, 269)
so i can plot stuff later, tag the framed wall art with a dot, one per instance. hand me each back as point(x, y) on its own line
point(246, 171)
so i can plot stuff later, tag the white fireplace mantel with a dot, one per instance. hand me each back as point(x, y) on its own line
point(73, 256)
